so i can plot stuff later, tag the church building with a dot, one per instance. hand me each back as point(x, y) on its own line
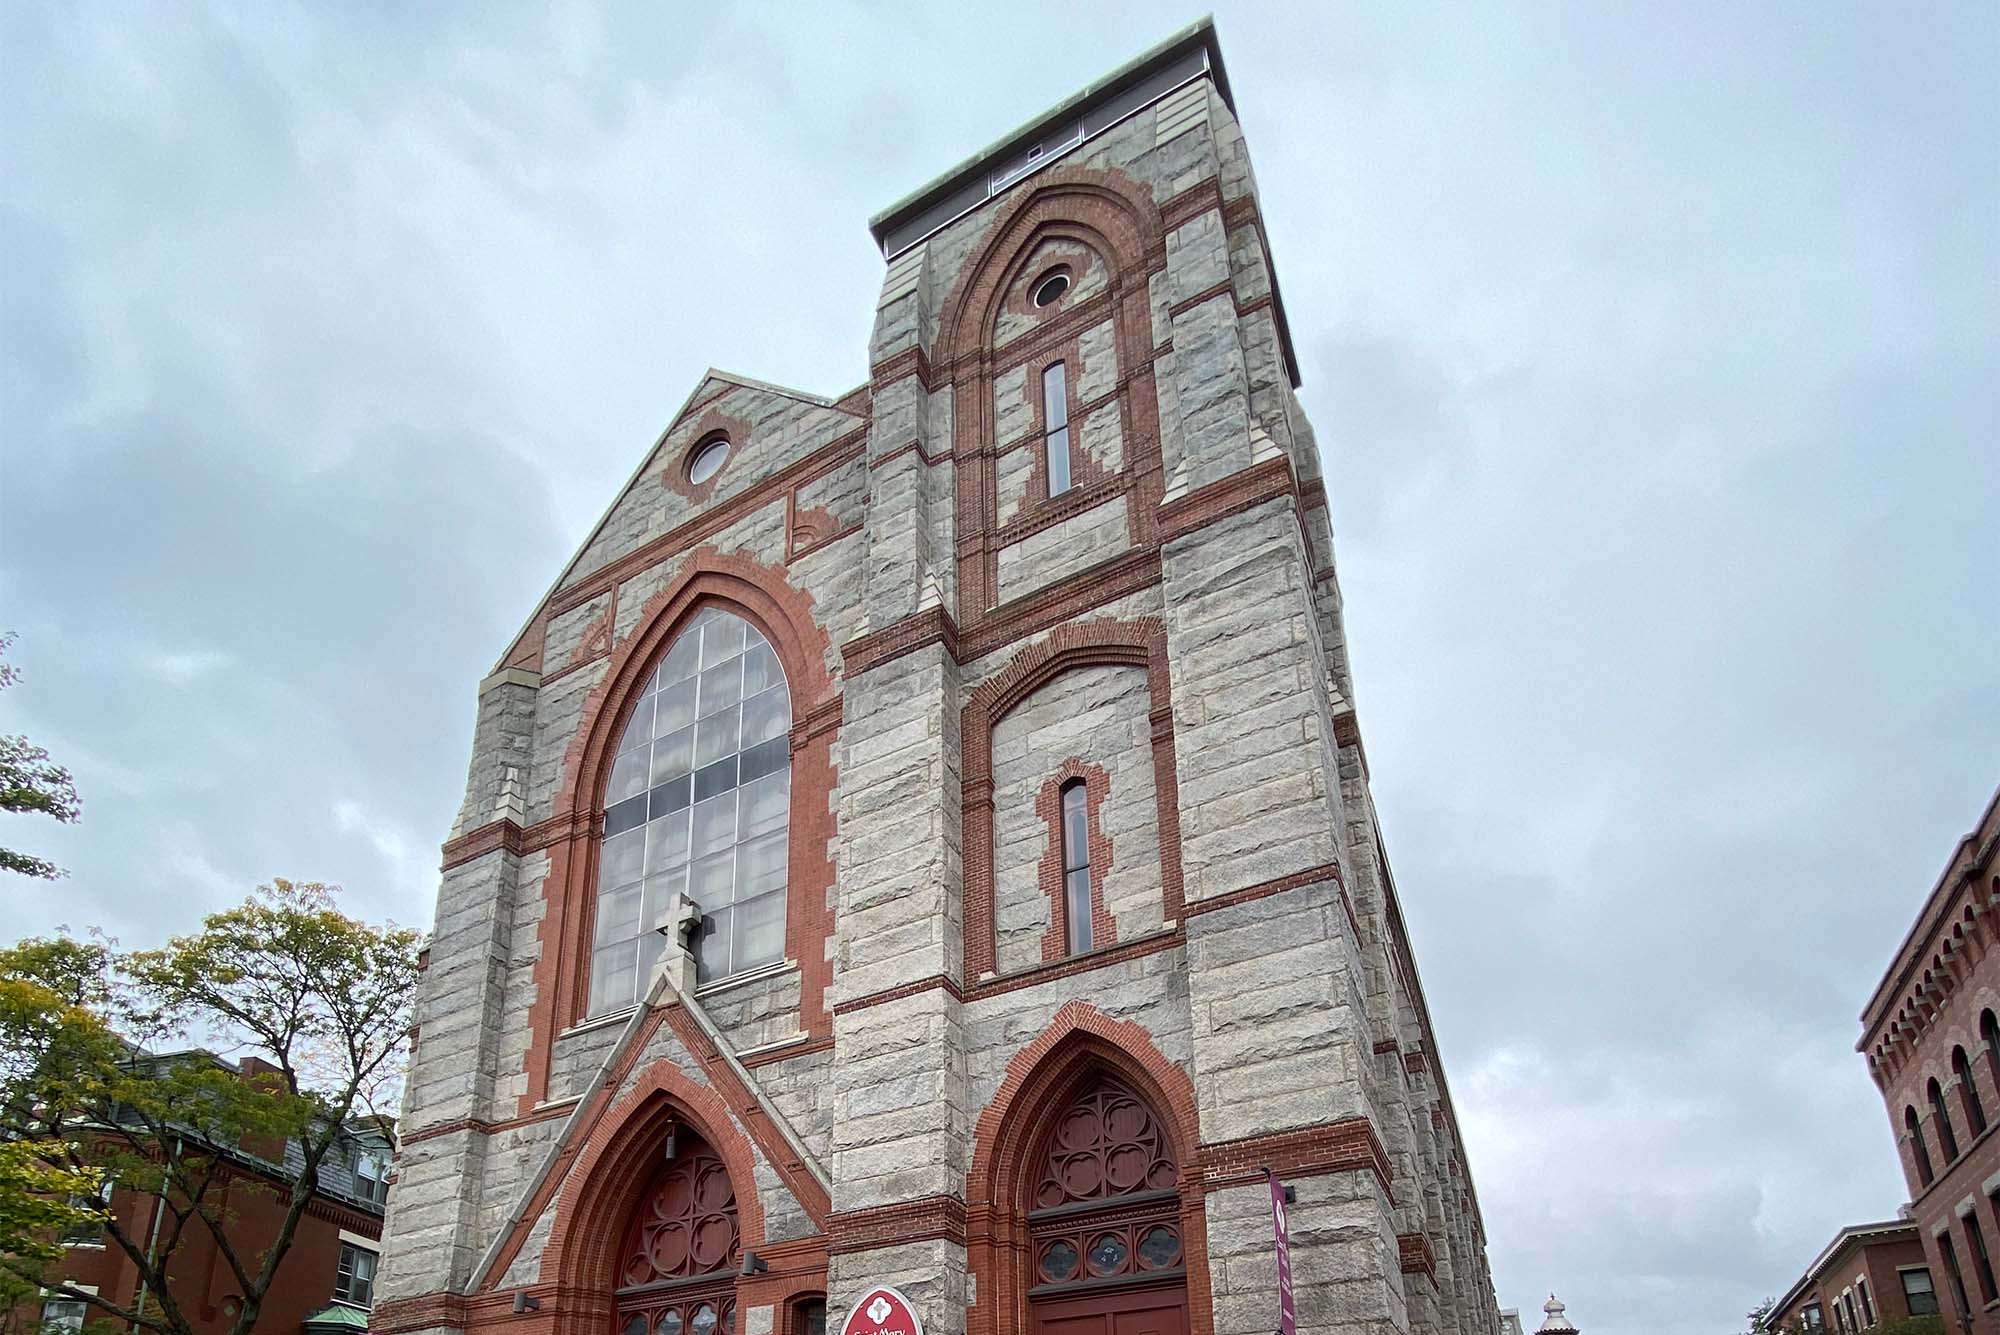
point(923, 837)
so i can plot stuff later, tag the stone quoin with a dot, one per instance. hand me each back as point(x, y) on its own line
point(923, 838)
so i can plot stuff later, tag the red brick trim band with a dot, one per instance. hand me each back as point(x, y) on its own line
point(1329, 871)
point(1346, 1146)
point(936, 982)
point(1417, 1255)
point(920, 1220)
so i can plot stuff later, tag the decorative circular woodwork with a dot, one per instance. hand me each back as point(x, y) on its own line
point(1107, 1144)
point(685, 1224)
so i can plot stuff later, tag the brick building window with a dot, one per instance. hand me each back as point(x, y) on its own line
point(1919, 1294)
point(1968, 1091)
point(1989, 1036)
point(1867, 1307)
point(1847, 1301)
point(1055, 417)
point(1915, 1131)
point(1982, 1262)
point(1813, 1316)
point(1947, 1138)
point(1954, 1274)
point(354, 1279)
point(64, 1316)
point(1076, 865)
point(699, 805)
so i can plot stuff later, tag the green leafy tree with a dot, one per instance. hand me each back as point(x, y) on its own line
point(1760, 1317)
point(31, 782)
point(323, 1002)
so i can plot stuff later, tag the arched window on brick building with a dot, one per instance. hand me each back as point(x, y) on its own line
point(1941, 1115)
point(1989, 1036)
point(698, 804)
point(1915, 1130)
point(1968, 1091)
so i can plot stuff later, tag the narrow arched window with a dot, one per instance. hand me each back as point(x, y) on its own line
point(1947, 1138)
point(1915, 1130)
point(1989, 1035)
point(698, 808)
point(1968, 1091)
point(1055, 417)
point(1076, 864)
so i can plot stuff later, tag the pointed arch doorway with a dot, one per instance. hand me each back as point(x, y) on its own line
point(677, 1262)
point(1103, 1217)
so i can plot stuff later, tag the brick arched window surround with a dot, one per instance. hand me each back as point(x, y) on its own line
point(1081, 1046)
point(1989, 1039)
point(1051, 872)
point(613, 1171)
point(1941, 1119)
point(784, 616)
point(1968, 1091)
point(1073, 645)
point(1114, 217)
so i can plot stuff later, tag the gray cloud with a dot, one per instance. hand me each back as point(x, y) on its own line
point(1653, 352)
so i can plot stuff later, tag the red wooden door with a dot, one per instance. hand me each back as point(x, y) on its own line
point(1114, 1311)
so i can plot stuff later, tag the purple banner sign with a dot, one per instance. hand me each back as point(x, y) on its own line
point(1288, 1320)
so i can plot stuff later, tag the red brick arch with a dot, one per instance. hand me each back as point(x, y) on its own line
point(1073, 645)
point(784, 615)
point(1080, 1043)
point(615, 1166)
point(1106, 211)
point(1115, 218)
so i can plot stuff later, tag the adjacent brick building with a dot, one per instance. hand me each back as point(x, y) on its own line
point(990, 726)
point(1931, 1034)
point(1868, 1274)
point(329, 1268)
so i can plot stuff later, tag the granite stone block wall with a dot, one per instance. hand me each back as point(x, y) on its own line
point(957, 641)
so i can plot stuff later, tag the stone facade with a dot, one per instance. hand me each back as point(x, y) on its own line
point(964, 639)
point(1931, 1035)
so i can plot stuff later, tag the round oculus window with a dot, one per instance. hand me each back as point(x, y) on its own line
point(1050, 287)
point(708, 459)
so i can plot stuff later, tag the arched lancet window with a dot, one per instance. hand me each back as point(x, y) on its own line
point(1916, 1133)
point(1104, 1205)
point(1968, 1091)
point(1947, 1138)
point(1055, 438)
point(699, 804)
point(1076, 865)
point(677, 1265)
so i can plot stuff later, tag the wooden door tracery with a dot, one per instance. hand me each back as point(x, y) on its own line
point(677, 1265)
point(1103, 1219)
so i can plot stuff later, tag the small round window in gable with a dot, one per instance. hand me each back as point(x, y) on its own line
point(1051, 286)
point(707, 459)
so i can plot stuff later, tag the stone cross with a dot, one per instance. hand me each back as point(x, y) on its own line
point(682, 916)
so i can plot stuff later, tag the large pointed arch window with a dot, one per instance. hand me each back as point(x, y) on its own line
point(699, 805)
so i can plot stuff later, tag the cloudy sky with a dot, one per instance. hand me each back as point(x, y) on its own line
point(1654, 350)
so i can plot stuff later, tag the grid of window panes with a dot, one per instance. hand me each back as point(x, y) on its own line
point(354, 1281)
point(699, 804)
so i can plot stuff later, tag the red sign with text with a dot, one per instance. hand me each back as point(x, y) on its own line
point(1288, 1318)
point(882, 1311)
